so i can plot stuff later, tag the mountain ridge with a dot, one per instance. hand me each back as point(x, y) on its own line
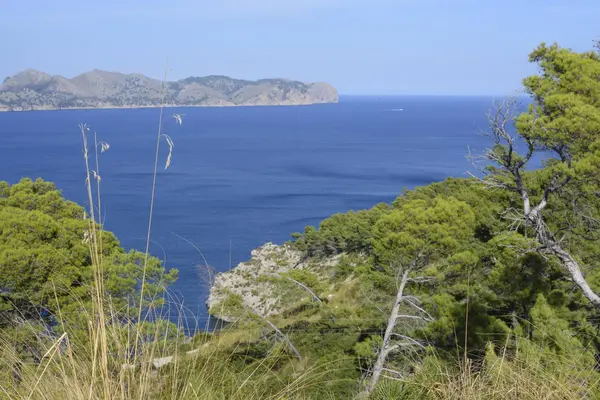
point(36, 90)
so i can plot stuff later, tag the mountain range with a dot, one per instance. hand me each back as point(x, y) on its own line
point(36, 90)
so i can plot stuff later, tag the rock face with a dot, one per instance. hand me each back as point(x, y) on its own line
point(245, 279)
point(35, 90)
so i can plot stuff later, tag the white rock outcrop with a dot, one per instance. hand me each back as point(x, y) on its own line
point(245, 280)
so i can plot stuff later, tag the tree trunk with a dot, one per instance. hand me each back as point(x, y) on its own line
point(386, 348)
point(571, 265)
point(574, 270)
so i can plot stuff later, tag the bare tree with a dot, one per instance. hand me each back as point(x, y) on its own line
point(409, 239)
point(394, 341)
point(507, 172)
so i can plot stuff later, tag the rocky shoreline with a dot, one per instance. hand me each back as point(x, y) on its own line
point(4, 108)
point(247, 279)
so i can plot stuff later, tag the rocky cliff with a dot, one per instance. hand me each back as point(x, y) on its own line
point(35, 90)
point(252, 280)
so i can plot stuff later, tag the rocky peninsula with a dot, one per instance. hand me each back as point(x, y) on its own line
point(36, 90)
point(255, 281)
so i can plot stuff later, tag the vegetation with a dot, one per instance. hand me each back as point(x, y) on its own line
point(46, 263)
point(481, 288)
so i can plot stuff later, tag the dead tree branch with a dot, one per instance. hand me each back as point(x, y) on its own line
point(506, 172)
point(279, 333)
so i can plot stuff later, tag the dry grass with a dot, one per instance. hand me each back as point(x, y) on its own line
point(206, 372)
point(527, 375)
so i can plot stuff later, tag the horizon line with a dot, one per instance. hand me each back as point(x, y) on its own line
point(427, 95)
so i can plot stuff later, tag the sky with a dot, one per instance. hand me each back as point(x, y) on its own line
point(380, 47)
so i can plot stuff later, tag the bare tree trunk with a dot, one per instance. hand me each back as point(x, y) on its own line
point(386, 347)
point(575, 271)
point(572, 266)
point(513, 166)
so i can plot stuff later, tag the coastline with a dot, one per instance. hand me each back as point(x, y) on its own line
point(168, 106)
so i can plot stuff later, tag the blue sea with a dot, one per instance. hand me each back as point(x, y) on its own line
point(243, 176)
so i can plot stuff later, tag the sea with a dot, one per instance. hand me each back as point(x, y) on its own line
point(243, 176)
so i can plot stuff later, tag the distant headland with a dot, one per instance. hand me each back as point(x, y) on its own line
point(36, 90)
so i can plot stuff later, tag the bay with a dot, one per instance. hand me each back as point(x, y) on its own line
point(243, 176)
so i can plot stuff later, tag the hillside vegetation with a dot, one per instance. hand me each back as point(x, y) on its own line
point(480, 288)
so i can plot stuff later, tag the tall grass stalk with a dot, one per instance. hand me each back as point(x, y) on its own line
point(152, 195)
point(97, 328)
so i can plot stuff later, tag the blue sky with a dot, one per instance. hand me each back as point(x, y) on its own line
point(361, 47)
